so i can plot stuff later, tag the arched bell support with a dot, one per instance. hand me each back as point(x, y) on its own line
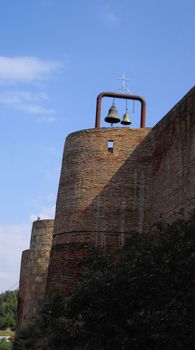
point(124, 96)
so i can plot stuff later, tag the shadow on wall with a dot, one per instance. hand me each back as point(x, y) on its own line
point(105, 194)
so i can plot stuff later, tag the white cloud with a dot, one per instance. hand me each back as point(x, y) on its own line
point(43, 200)
point(109, 16)
point(14, 97)
point(48, 118)
point(44, 213)
point(13, 240)
point(36, 109)
point(27, 102)
point(27, 68)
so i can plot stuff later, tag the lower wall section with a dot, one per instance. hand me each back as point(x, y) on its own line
point(67, 253)
point(34, 268)
point(24, 273)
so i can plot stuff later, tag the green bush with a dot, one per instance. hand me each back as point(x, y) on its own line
point(4, 345)
point(8, 306)
point(143, 298)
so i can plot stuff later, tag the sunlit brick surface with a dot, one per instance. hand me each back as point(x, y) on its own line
point(103, 195)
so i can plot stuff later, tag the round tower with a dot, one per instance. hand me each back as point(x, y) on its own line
point(24, 273)
point(102, 196)
point(38, 260)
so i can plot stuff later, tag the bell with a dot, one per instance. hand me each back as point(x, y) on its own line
point(126, 119)
point(112, 116)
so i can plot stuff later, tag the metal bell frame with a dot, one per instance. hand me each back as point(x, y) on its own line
point(123, 96)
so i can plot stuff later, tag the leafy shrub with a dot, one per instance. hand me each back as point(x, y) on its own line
point(8, 306)
point(143, 297)
point(4, 345)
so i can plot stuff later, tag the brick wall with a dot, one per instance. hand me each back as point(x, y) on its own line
point(103, 195)
point(24, 272)
point(34, 266)
point(173, 184)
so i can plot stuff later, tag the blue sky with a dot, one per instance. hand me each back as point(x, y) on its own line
point(56, 56)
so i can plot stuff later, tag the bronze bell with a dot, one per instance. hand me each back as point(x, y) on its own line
point(112, 116)
point(126, 119)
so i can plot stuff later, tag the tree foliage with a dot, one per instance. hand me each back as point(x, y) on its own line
point(143, 298)
point(8, 306)
point(4, 345)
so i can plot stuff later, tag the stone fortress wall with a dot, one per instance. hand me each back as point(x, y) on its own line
point(173, 184)
point(33, 274)
point(102, 196)
point(24, 274)
point(148, 175)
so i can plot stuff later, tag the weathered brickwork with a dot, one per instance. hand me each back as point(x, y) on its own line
point(173, 185)
point(105, 193)
point(102, 196)
point(99, 190)
point(69, 251)
point(34, 268)
point(24, 273)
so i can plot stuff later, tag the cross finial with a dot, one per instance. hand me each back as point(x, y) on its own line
point(124, 87)
point(124, 79)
